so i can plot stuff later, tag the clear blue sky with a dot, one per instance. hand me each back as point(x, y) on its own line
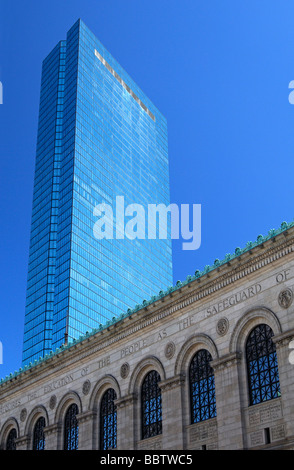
point(218, 70)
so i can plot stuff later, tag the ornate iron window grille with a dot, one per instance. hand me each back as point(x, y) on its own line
point(71, 428)
point(262, 365)
point(151, 405)
point(202, 388)
point(11, 444)
point(108, 420)
point(39, 436)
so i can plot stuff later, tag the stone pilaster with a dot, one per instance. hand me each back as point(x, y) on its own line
point(52, 434)
point(126, 422)
point(172, 412)
point(86, 431)
point(285, 355)
point(228, 401)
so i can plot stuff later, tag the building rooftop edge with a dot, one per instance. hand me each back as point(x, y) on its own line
point(198, 274)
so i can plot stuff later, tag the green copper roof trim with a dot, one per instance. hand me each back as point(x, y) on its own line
point(198, 274)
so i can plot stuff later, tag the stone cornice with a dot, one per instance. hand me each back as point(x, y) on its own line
point(22, 441)
point(283, 338)
point(193, 292)
point(86, 416)
point(52, 429)
point(226, 361)
point(127, 400)
point(172, 382)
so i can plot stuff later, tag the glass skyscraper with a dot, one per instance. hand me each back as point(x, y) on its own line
point(99, 137)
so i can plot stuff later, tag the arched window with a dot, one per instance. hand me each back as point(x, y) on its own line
point(262, 365)
point(39, 436)
point(108, 420)
point(71, 428)
point(10, 443)
point(202, 389)
point(151, 405)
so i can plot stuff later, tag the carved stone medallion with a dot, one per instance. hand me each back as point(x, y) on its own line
point(169, 350)
point(285, 298)
point(222, 326)
point(23, 415)
point(52, 402)
point(86, 387)
point(124, 370)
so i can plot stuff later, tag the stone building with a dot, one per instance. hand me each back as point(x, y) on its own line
point(205, 365)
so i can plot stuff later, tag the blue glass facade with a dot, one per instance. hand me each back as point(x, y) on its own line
point(99, 137)
point(41, 269)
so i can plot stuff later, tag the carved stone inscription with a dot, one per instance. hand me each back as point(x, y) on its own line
point(130, 349)
point(200, 432)
point(153, 443)
point(58, 383)
point(234, 299)
point(222, 305)
point(278, 432)
point(265, 414)
point(103, 362)
point(257, 438)
point(9, 406)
